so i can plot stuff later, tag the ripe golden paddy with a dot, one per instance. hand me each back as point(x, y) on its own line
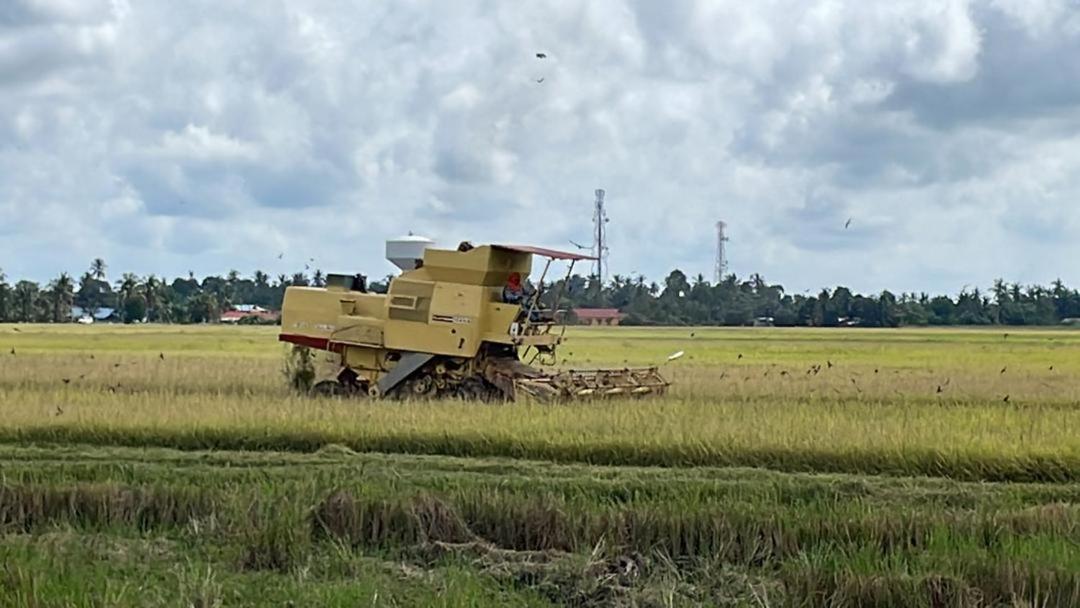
point(970, 404)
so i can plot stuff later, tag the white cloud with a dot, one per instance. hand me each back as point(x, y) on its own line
point(178, 135)
point(198, 143)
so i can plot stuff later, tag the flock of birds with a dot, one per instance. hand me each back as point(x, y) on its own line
point(815, 369)
point(112, 388)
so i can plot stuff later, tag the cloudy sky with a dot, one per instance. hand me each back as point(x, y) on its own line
point(208, 135)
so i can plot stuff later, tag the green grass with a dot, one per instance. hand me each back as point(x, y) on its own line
point(292, 523)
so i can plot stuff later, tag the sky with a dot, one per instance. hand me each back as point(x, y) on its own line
point(211, 135)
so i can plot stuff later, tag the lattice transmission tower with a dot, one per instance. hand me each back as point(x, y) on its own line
point(721, 252)
point(600, 247)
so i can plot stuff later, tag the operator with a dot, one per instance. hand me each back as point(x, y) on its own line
point(514, 292)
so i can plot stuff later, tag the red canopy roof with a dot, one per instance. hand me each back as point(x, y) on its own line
point(547, 253)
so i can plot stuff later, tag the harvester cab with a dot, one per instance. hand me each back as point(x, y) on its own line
point(454, 323)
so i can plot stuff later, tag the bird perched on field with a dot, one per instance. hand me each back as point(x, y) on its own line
point(66, 380)
point(1006, 399)
point(16, 330)
point(829, 363)
point(1003, 370)
point(13, 351)
point(59, 410)
point(161, 356)
point(691, 334)
point(740, 356)
point(940, 390)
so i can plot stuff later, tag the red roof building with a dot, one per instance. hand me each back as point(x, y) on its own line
point(598, 316)
point(235, 316)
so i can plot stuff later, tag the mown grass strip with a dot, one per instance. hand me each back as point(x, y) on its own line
point(957, 465)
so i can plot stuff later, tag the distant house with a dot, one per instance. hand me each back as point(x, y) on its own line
point(248, 311)
point(598, 316)
point(87, 316)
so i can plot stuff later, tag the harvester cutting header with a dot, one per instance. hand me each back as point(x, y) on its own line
point(456, 323)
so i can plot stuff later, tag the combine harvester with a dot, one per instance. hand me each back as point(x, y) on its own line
point(454, 324)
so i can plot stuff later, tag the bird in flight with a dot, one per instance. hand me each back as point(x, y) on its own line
point(280, 255)
point(847, 224)
point(540, 80)
point(541, 55)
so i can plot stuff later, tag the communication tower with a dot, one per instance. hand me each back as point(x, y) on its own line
point(721, 251)
point(600, 248)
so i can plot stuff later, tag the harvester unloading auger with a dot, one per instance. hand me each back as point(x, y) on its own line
point(450, 327)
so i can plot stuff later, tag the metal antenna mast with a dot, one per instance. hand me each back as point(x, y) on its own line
point(600, 248)
point(721, 251)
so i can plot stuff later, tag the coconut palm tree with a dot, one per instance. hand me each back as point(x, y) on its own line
point(126, 289)
point(5, 298)
point(61, 293)
point(153, 292)
point(126, 286)
point(26, 295)
point(98, 268)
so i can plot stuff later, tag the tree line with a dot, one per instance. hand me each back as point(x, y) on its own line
point(137, 299)
point(737, 302)
point(679, 300)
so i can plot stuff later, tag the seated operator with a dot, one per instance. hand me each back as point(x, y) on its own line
point(514, 292)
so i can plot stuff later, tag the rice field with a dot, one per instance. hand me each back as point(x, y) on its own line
point(159, 465)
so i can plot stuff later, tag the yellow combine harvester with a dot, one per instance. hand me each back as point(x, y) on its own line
point(453, 324)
